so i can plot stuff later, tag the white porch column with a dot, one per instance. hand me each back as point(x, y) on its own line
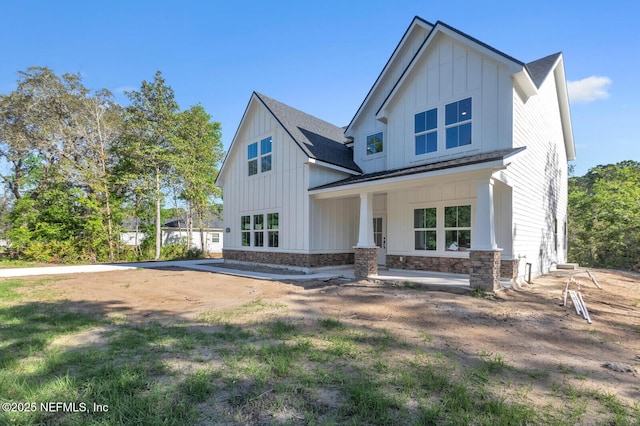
point(484, 233)
point(365, 234)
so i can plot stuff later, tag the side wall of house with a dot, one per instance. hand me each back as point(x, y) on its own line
point(447, 72)
point(281, 190)
point(539, 180)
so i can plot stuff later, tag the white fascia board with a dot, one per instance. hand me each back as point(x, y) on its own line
point(524, 82)
point(220, 177)
point(390, 63)
point(332, 166)
point(382, 185)
point(565, 111)
point(513, 67)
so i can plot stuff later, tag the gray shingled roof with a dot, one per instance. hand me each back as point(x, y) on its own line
point(538, 70)
point(441, 165)
point(318, 139)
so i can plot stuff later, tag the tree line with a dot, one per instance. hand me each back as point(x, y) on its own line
point(604, 216)
point(75, 163)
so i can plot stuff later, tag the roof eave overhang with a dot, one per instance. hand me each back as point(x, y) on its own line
point(565, 110)
point(398, 182)
point(513, 65)
point(523, 81)
point(321, 163)
point(220, 178)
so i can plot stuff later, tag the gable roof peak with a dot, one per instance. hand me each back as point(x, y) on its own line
point(540, 68)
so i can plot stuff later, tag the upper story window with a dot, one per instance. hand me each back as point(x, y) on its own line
point(374, 143)
point(426, 130)
point(457, 117)
point(259, 153)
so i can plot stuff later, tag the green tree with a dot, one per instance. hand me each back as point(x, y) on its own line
point(54, 138)
point(198, 151)
point(604, 216)
point(145, 151)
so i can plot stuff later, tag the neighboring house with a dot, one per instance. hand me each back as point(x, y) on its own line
point(176, 231)
point(456, 161)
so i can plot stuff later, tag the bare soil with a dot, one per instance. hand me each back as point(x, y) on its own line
point(528, 326)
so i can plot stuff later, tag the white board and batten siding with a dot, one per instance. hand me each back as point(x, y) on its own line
point(334, 222)
point(539, 179)
point(282, 190)
point(366, 123)
point(449, 71)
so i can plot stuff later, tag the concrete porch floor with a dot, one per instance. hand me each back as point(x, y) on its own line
point(426, 278)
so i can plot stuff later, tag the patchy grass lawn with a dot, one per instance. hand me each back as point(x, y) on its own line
point(255, 364)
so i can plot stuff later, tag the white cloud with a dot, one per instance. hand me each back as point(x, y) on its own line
point(589, 89)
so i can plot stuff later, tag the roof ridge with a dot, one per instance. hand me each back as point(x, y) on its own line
point(263, 96)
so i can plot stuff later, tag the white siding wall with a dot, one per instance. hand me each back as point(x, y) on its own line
point(539, 180)
point(449, 71)
point(182, 236)
point(367, 124)
point(400, 206)
point(283, 190)
point(334, 225)
point(319, 175)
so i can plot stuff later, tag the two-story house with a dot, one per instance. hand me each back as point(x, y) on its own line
point(456, 161)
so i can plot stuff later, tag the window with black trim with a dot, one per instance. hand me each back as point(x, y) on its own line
point(374, 143)
point(457, 117)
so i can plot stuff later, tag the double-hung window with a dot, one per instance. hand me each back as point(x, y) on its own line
point(374, 143)
point(245, 228)
point(258, 227)
point(252, 156)
point(426, 131)
point(259, 156)
point(273, 229)
point(457, 228)
point(457, 117)
point(265, 154)
point(424, 224)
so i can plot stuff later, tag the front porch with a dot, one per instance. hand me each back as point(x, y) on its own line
point(454, 219)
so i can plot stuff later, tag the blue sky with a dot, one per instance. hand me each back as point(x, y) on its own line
point(323, 57)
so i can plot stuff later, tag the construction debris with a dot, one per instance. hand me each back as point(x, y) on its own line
point(593, 279)
point(576, 298)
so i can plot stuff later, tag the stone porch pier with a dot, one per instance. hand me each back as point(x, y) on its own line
point(484, 256)
point(366, 252)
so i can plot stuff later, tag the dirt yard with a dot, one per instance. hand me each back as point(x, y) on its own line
point(528, 327)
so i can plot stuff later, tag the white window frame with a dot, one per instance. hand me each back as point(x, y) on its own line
point(458, 124)
point(441, 250)
point(260, 156)
point(262, 229)
point(366, 144)
point(426, 132)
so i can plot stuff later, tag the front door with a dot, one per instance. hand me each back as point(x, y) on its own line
point(380, 238)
